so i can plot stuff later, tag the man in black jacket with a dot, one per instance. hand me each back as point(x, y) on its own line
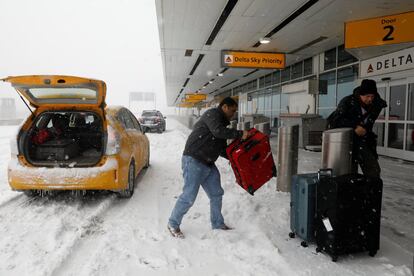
point(359, 111)
point(205, 144)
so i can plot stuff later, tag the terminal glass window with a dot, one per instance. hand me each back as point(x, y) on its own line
point(275, 106)
point(260, 104)
point(411, 102)
point(252, 85)
point(286, 74)
point(346, 81)
point(327, 102)
point(381, 92)
point(397, 102)
point(284, 102)
point(395, 136)
point(312, 77)
point(330, 59)
point(410, 138)
point(268, 105)
point(243, 88)
point(268, 80)
point(344, 57)
point(237, 90)
point(308, 67)
point(379, 130)
point(249, 104)
point(262, 82)
point(276, 77)
point(297, 70)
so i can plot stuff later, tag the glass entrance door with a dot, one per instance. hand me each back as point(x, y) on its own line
point(395, 125)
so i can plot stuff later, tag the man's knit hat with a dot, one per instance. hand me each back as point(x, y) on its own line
point(368, 87)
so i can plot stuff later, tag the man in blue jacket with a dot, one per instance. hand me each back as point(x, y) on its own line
point(205, 144)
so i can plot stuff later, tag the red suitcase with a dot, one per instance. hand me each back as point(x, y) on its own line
point(252, 161)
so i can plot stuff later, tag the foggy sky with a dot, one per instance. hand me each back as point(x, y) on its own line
point(113, 40)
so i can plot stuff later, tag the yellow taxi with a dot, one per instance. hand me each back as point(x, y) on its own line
point(72, 140)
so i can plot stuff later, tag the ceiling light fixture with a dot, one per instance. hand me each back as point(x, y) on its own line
point(265, 40)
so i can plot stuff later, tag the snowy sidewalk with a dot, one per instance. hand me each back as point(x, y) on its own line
point(102, 235)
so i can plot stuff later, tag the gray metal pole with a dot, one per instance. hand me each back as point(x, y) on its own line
point(243, 126)
point(337, 150)
point(263, 127)
point(287, 156)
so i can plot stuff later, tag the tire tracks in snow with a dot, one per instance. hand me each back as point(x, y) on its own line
point(89, 225)
point(58, 222)
point(138, 219)
point(10, 201)
point(88, 246)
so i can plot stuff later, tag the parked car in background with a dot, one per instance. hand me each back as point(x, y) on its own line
point(153, 120)
point(73, 141)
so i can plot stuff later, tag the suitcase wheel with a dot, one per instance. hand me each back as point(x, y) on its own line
point(372, 253)
point(304, 244)
point(292, 235)
point(250, 190)
point(334, 258)
point(274, 171)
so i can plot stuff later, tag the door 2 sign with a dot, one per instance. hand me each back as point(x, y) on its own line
point(384, 30)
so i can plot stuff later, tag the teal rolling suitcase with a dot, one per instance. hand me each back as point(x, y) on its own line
point(302, 207)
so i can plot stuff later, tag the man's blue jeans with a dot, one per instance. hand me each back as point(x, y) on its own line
point(196, 173)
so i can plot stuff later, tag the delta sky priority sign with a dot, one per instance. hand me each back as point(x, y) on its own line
point(258, 60)
point(195, 98)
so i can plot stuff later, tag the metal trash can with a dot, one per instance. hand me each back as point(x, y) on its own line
point(337, 150)
point(287, 156)
point(233, 124)
point(263, 127)
point(243, 126)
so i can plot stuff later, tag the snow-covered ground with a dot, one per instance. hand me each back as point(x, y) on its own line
point(102, 235)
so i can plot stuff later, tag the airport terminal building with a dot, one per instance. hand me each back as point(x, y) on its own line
point(328, 47)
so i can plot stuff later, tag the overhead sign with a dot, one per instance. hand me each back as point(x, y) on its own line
point(260, 60)
point(391, 29)
point(194, 98)
point(186, 104)
point(398, 61)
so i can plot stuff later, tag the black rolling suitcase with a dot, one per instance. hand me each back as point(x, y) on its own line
point(348, 214)
point(57, 150)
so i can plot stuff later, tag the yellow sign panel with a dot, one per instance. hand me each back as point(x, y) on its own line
point(377, 31)
point(194, 98)
point(185, 105)
point(253, 60)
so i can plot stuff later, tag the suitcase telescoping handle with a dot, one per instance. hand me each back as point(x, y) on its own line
point(322, 173)
point(251, 144)
point(325, 173)
point(239, 141)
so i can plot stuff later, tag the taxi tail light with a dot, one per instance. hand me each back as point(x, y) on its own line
point(114, 142)
point(13, 146)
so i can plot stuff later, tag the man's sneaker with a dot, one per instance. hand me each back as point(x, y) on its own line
point(175, 232)
point(225, 227)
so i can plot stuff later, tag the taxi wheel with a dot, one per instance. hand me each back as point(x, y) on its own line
point(148, 160)
point(129, 191)
point(30, 193)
